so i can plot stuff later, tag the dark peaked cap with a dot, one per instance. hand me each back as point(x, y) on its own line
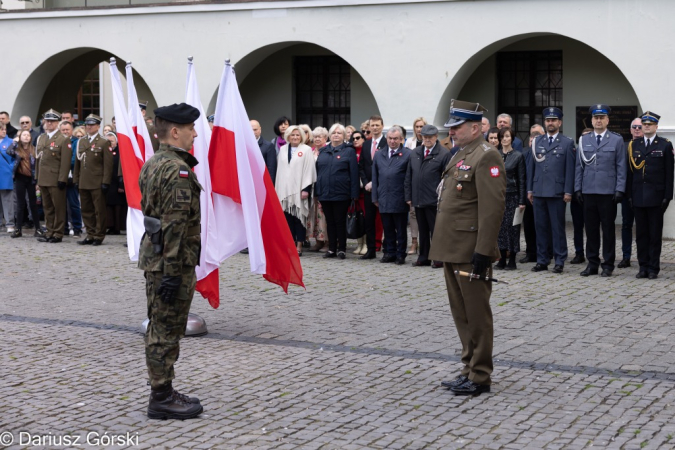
point(178, 113)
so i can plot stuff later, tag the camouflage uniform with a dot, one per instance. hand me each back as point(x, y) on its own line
point(170, 193)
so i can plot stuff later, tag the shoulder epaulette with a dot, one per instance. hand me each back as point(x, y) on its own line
point(614, 132)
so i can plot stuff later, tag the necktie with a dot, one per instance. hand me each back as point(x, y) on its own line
point(648, 142)
point(373, 149)
point(599, 138)
point(391, 152)
point(426, 152)
point(550, 140)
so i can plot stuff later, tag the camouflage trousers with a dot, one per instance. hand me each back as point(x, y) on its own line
point(167, 325)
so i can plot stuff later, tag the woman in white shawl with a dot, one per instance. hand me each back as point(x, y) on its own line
point(296, 174)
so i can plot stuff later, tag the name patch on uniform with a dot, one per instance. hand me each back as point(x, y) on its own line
point(463, 167)
point(494, 172)
point(183, 174)
point(183, 195)
point(657, 153)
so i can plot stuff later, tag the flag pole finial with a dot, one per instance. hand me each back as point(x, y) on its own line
point(128, 63)
point(190, 58)
point(113, 61)
point(227, 62)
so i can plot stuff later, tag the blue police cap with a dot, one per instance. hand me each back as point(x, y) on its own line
point(599, 110)
point(461, 111)
point(649, 116)
point(178, 113)
point(553, 113)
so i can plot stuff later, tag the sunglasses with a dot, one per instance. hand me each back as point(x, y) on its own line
point(636, 127)
point(357, 137)
point(366, 132)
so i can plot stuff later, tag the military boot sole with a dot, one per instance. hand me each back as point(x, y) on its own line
point(165, 415)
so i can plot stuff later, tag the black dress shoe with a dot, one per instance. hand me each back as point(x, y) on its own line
point(539, 268)
point(641, 274)
point(388, 259)
point(558, 269)
point(623, 264)
point(400, 261)
point(341, 255)
point(437, 265)
point(460, 380)
point(244, 251)
point(370, 254)
point(527, 259)
point(589, 271)
point(652, 276)
point(330, 254)
point(85, 241)
point(606, 273)
point(421, 263)
point(470, 388)
point(55, 240)
point(578, 259)
point(97, 242)
point(44, 239)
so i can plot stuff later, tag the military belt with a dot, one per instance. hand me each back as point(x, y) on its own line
point(194, 231)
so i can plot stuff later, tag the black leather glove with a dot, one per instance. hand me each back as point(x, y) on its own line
point(579, 196)
point(62, 185)
point(169, 287)
point(104, 187)
point(664, 204)
point(480, 263)
point(618, 197)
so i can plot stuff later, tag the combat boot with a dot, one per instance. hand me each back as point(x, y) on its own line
point(166, 403)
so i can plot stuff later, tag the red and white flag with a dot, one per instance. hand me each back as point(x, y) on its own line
point(137, 121)
point(246, 205)
point(207, 270)
point(131, 161)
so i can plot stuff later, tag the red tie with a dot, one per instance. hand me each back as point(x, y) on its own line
point(426, 153)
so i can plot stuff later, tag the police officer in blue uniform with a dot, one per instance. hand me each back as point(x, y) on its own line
point(650, 190)
point(550, 185)
point(600, 183)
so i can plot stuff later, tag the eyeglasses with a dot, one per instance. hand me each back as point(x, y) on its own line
point(23, 123)
point(636, 127)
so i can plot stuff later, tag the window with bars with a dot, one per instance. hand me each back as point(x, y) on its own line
point(528, 82)
point(322, 90)
point(89, 96)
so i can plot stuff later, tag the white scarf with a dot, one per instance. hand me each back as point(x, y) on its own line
point(293, 177)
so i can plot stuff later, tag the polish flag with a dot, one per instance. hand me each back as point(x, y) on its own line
point(207, 270)
point(246, 205)
point(132, 161)
point(137, 121)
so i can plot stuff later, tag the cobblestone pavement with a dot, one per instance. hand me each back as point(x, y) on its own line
point(354, 361)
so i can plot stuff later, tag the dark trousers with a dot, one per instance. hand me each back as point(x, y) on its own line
point(371, 216)
point(627, 219)
point(549, 218)
point(426, 219)
point(298, 231)
point(336, 224)
point(530, 231)
point(74, 210)
point(648, 232)
point(600, 211)
point(395, 234)
point(24, 185)
point(577, 211)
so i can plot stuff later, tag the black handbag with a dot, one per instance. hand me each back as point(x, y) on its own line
point(356, 222)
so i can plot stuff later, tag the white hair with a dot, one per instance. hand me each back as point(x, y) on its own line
point(338, 126)
point(395, 128)
point(291, 129)
point(320, 131)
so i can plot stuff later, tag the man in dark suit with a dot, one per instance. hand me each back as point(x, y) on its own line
point(528, 217)
point(267, 149)
point(370, 148)
point(389, 169)
point(650, 190)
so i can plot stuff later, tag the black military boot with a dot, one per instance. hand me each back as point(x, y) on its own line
point(165, 403)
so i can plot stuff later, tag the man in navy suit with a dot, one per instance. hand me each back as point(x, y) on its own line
point(550, 185)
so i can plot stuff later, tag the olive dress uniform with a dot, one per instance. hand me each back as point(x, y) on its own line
point(93, 170)
point(650, 190)
point(52, 169)
point(470, 210)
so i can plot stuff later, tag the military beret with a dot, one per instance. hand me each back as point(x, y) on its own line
point(93, 119)
point(51, 115)
point(599, 110)
point(429, 130)
point(649, 116)
point(461, 111)
point(211, 118)
point(552, 113)
point(178, 113)
point(143, 105)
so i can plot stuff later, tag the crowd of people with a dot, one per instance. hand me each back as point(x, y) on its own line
point(384, 181)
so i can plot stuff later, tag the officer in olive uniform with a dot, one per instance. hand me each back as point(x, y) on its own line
point(550, 185)
point(650, 190)
point(53, 154)
point(151, 128)
point(599, 184)
point(93, 170)
point(169, 253)
point(470, 211)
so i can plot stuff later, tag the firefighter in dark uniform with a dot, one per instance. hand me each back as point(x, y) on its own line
point(650, 190)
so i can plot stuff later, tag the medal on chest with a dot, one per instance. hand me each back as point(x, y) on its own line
point(459, 187)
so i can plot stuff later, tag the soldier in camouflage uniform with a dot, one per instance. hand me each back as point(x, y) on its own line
point(93, 170)
point(169, 253)
point(53, 154)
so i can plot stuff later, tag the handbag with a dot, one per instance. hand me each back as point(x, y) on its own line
point(356, 222)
